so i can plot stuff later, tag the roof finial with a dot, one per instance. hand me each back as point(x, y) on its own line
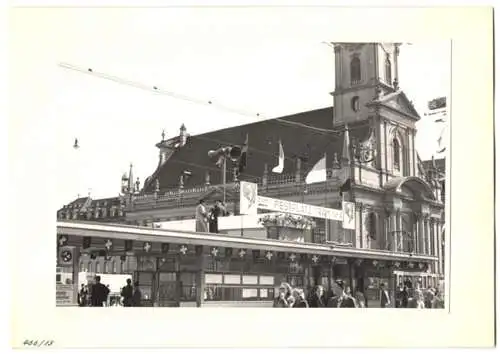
point(163, 135)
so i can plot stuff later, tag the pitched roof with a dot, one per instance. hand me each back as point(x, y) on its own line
point(263, 138)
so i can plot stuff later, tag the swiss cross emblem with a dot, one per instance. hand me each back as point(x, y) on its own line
point(108, 244)
point(63, 240)
point(214, 251)
point(421, 265)
point(242, 253)
point(147, 246)
point(375, 262)
point(292, 257)
point(397, 264)
point(411, 265)
point(269, 255)
point(315, 259)
point(183, 249)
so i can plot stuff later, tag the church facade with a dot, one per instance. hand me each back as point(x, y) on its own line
point(368, 141)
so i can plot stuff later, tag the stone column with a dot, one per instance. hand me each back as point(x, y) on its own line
point(394, 233)
point(200, 282)
point(428, 234)
point(438, 245)
point(421, 234)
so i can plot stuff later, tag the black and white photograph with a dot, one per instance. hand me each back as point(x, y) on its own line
point(349, 181)
point(214, 160)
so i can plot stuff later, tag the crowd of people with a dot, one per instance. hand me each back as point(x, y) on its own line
point(341, 296)
point(99, 295)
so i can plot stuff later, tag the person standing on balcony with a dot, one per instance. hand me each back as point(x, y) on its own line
point(201, 217)
point(217, 210)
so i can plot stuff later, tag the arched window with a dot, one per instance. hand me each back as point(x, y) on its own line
point(355, 103)
point(396, 150)
point(388, 70)
point(97, 267)
point(355, 70)
point(89, 267)
point(113, 267)
point(81, 266)
point(106, 268)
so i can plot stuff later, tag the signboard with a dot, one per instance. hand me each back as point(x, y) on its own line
point(64, 294)
point(286, 206)
point(349, 216)
point(248, 198)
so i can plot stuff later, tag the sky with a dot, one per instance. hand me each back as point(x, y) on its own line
point(230, 61)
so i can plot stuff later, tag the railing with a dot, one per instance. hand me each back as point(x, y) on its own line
point(272, 185)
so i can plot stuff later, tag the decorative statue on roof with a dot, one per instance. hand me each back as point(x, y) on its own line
point(157, 185)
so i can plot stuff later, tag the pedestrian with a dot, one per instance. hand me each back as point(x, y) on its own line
point(360, 297)
point(137, 297)
point(299, 298)
point(127, 294)
point(419, 297)
point(201, 217)
point(404, 297)
point(341, 298)
point(317, 297)
point(283, 298)
point(99, 293)
point(399, 296)
point(385, 300)
point(82, 296)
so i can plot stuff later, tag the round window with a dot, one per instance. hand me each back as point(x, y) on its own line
point(355, 103)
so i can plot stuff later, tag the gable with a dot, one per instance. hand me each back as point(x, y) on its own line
point(401, 104)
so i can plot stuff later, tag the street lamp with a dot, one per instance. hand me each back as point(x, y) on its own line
point(221, 155)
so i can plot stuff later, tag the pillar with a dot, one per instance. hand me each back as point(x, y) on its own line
point(394, 233)
point(439, 241)
point(200, 282)
point(421, 235)
point(428, 234)
point(399, 234)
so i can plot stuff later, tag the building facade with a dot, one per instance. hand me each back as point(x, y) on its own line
point(368, 138)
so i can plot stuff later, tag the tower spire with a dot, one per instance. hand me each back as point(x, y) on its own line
point(131, 179)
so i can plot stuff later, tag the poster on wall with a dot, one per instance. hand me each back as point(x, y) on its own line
point(349, 216)
point(248, 198)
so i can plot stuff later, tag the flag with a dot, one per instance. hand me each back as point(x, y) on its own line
point(318, 172)
point(281, 160)
point(243, 158)
point(346, 187)
point(437, 103)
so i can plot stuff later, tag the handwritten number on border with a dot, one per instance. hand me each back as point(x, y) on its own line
point(38, 343)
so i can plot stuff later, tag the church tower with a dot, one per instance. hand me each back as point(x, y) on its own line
point(367, 90)
point(363, 71)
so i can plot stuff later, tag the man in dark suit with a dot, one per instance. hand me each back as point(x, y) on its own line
point(99, 293)
point(127, 294)
point(217, 210)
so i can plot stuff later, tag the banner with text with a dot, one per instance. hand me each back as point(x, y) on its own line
point(286, 206)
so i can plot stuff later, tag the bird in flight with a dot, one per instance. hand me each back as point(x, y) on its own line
point(75, 145)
